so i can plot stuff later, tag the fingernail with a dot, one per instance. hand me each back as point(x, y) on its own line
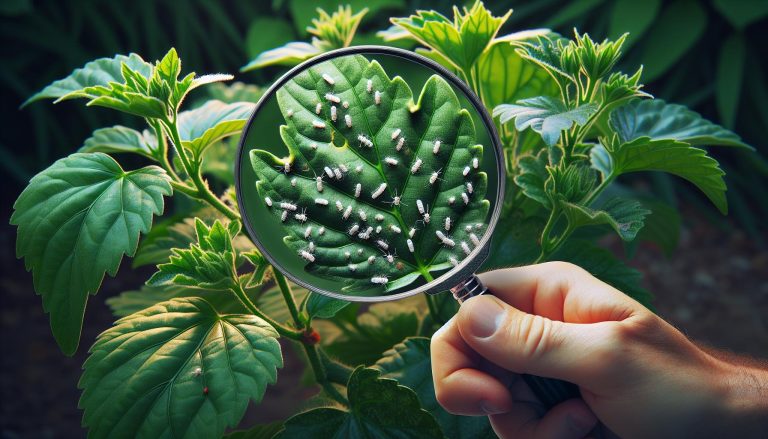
point(486, 316)
point(490, 409)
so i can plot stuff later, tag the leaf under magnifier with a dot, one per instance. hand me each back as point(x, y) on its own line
point(378, 189)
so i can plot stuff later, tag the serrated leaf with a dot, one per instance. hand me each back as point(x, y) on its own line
point(462, 40)
point(211, 122)
point(208, 264)
point(375, 331)
point(379, 408)
point(120, 139)
point(436, 116)
point(177, 369)
point(622, 215)
point(324, 307)
point(657, 119)
point(75, 221)
point(600, 159)
point(98, 72)
point(504, 76)
point(678, 158)
point(288, 55)
point(531, 176)
point(410, 364)
point(602, 264)
point(132, 301)
point(546, 115)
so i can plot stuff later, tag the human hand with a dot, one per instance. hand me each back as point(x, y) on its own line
point(637, 374)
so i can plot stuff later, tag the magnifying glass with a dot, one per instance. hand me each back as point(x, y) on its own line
point(372, 173)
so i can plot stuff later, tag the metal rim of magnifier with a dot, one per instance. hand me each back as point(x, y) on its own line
point(458, 273)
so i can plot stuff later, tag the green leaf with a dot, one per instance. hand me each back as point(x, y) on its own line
point(504, 76)
point(379, 408)
point(462, 40)
point(531, 176)
point(99, 72)
point(132, 301)
point(213, 121)
point(660, 120)
point(676, 30)
point(262, 431)
point(120, 139)
point(209, 264)
point(234, 92)
point(288, 55)
point(600, 159)
point(678, 158)
point(375, 331)
point(177, 369)
point(436, 116)
point(157, 245)
point(633, 17)
point(410, 364)
point(602, 264)
point(324, 307)
point(730, 75)
point(622, 215)
point(546, 115)
point(75, 221)
point(571, 183)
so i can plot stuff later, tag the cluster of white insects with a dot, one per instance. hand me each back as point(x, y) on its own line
point(361, 227)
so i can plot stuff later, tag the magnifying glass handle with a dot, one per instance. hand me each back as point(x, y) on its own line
point(550, 391)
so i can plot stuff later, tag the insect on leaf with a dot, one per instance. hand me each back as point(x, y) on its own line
point(75, 221)
point(369, 173)
point(177, 369)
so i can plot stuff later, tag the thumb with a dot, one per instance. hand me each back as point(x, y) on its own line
point(527, 343)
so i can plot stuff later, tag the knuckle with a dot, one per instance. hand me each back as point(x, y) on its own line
point(563, 266)
point(532, 333)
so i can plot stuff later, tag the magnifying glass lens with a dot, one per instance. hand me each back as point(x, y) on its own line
point(370, 176)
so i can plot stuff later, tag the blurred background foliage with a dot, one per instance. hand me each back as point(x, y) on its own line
point(707, 54)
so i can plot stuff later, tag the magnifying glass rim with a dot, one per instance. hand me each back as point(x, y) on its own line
point(457, 273)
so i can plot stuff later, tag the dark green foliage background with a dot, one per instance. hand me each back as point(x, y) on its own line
point(43, 40)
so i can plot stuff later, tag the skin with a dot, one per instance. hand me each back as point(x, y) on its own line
point(639, 376)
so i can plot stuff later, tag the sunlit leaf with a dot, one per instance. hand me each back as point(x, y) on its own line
point(178, 368)
point(119, 139)
point(75, 221)
point(546, 115)
point(213, 121)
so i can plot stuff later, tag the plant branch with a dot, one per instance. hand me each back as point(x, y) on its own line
point(290, 302)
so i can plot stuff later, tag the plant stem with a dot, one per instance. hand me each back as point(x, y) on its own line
point(545, 249)
point(335, 371)
point(246, 301)
point(309, 346)
point(285, 289)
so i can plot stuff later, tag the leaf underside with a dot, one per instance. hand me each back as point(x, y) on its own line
point(75, 221)
point(177, 369)
point(316, 142)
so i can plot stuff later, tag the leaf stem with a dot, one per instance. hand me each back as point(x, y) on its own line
point(545, 243)
point(203, 191)
point(239, 292)
point(290, 302)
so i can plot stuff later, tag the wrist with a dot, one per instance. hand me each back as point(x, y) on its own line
point(745, 400)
